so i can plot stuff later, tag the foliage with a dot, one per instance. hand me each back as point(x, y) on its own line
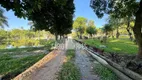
point(3, 36)
point(79, 25)
point(118, 8)
point(105, 74)
point(3, 19)
point(91, 28)
point(48, 44)
point(122, 45)
point(55, 15)
point(69, 71)
point(107, 28)
point(25, 42)
point(23, 38)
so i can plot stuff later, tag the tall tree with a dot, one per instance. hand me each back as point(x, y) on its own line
point(122, 8)
point(53, 15)
point(79, 25)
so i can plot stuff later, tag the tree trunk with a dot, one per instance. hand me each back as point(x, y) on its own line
point(80, 35)
point(60, 37)
point(91, 36)
point(112, 35)
point(128, 29)
point(56, 36)
point(138, 30)
point(117, 33)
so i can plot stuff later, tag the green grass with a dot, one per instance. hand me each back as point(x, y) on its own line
point(104, 73)
point(122, 45)
point(10, 67)
point(70, 54)
point(16, 60)
point(69, 70)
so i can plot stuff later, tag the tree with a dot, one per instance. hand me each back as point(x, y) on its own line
point(107, 28)
point(101, 7)
point(79, 25)
point(3, 19)
point(91, 28)
point(115, 24)
point(52, 15)
point(137, 30)
point(127, 21)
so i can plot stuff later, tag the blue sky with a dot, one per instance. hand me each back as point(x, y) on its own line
point(82, 9)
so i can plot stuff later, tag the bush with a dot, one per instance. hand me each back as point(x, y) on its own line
point(25, 42)
point(48, 44)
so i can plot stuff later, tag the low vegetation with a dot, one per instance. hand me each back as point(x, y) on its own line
point(69, 71)
point(121, 45)
point(10, 67)
point(104, 73)
point(16, 60)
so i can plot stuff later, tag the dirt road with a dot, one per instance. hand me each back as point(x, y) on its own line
point(49, 70)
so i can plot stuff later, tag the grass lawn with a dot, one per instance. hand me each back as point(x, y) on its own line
point(69, 70)
point(122, 45)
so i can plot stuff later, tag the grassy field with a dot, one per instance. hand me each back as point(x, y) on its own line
point(16, 60)
point(122, 45)
point(10, 67)
point(69, 70)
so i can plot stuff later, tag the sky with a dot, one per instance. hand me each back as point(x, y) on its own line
point(82, 9)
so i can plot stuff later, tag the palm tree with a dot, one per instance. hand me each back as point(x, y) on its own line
point(3, 19)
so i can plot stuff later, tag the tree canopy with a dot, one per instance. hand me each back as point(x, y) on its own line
point(118, 8)
point(53, 15)
point(79, 25)
point(91, 29)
